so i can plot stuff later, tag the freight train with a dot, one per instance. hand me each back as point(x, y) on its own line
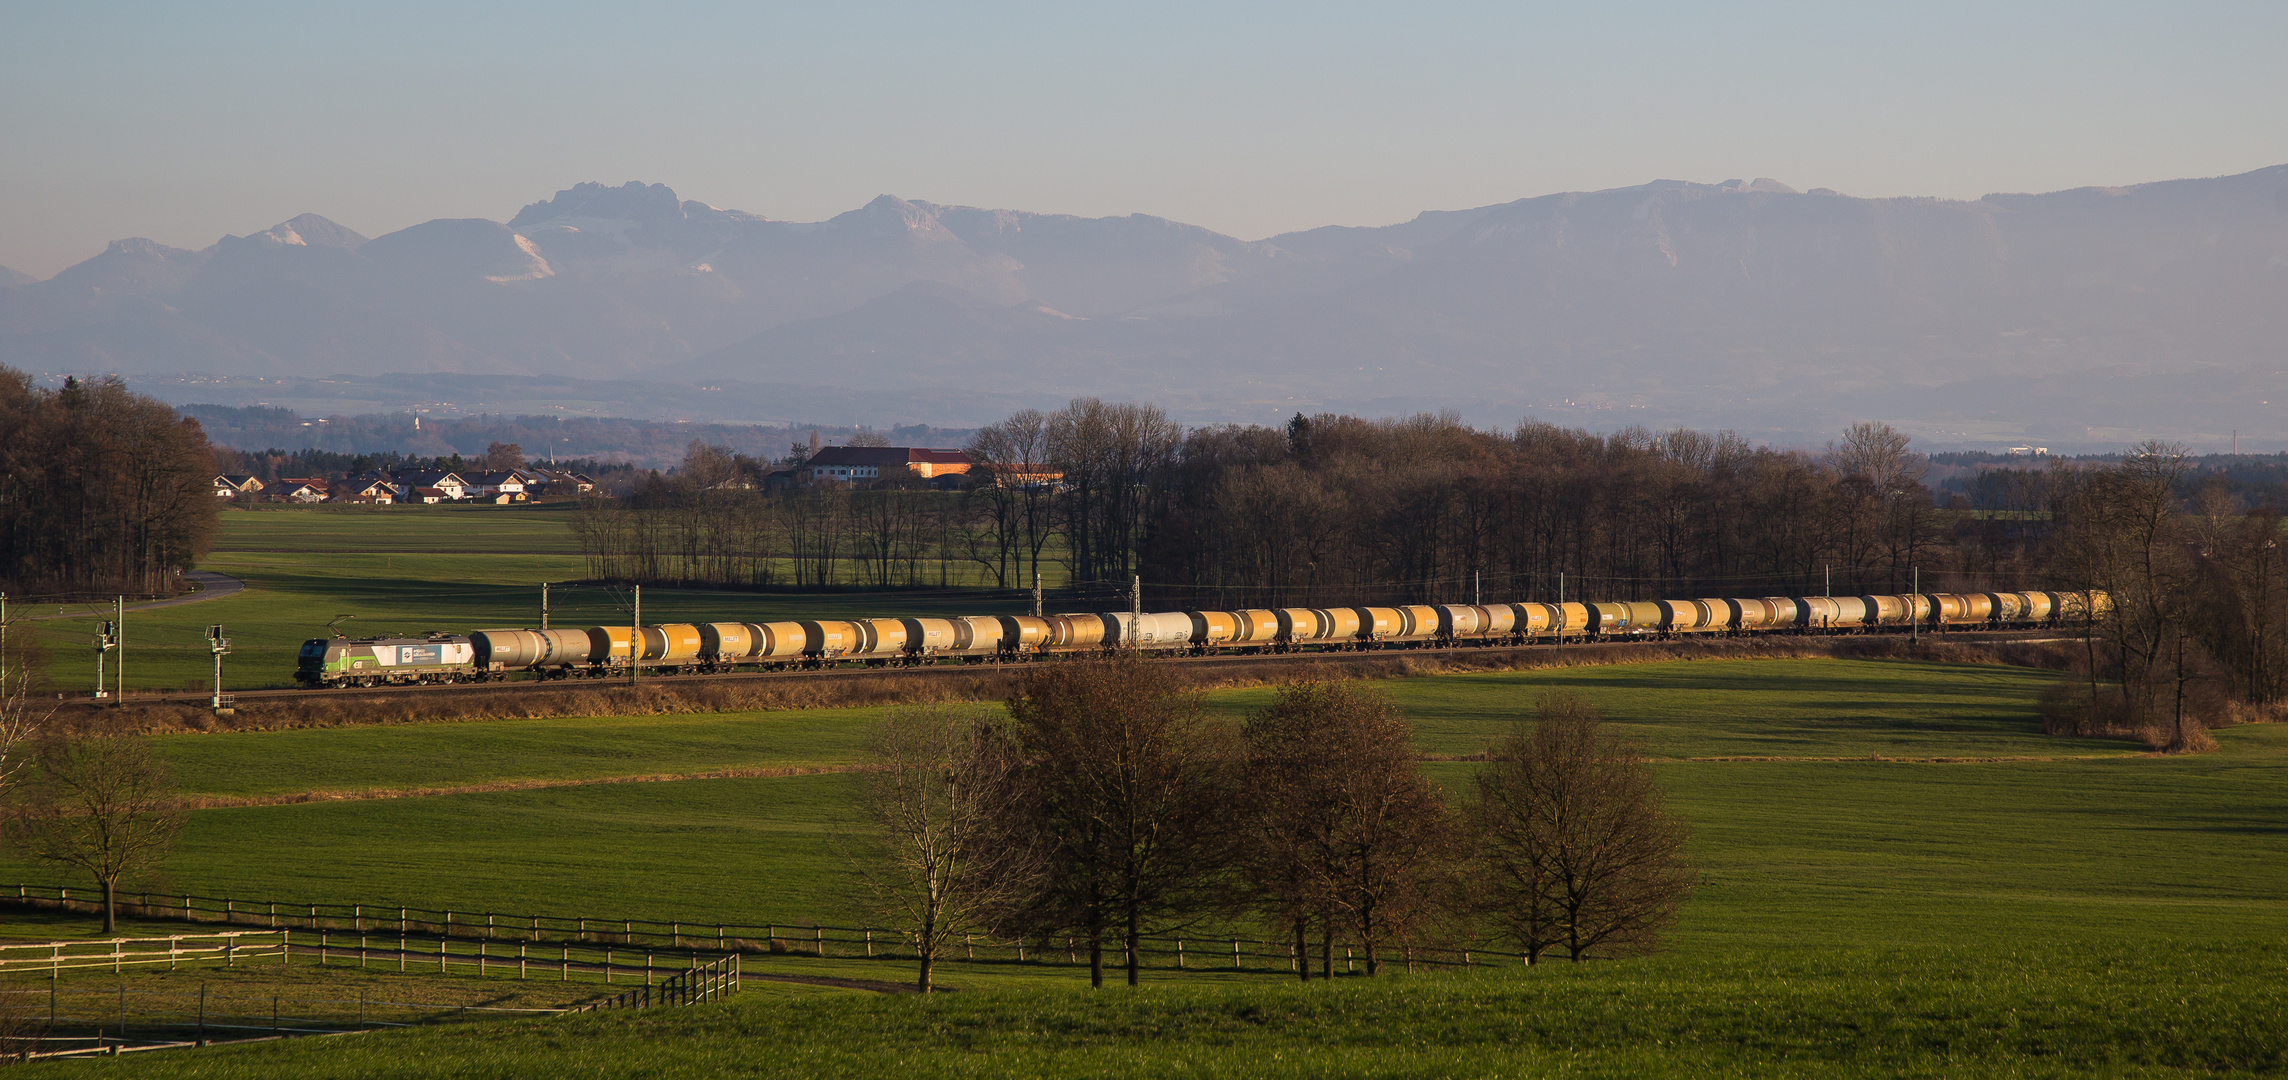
point(691, 648)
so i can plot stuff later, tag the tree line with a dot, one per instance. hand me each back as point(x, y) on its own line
point(1106, 804)
point(712, 523)
point(1332, 509)
point(101, 490)
point(2197, 637)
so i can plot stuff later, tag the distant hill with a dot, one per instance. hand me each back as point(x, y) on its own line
point(2086, 316)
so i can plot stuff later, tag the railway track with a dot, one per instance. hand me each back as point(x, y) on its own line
point(925, 671)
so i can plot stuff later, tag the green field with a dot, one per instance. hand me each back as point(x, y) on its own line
point(1816, 842)
point(405, 570)
point(1900, 876)
point(2119, 1011)
point(1992, 901)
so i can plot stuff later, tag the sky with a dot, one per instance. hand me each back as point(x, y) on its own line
point(182, 123)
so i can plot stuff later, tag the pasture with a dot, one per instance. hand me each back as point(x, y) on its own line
point(403, 570)
point(1900, 876)
point(1834, 804)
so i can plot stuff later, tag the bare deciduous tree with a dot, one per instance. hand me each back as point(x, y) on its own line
point(23, 718)
point(937, 791)
point(1574, 849)
point(1126, 785)
point(1341, 823)
point(100, 802)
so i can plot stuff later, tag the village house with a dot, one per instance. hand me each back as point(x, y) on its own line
point(445, 486)
point(866, 464)
point(496, 487)
point(539, 482)
point(367, 490)
point(231, 487)
point(1021, 475)
point(303, 489)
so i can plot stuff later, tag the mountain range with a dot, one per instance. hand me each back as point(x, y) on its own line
point(2085, 318)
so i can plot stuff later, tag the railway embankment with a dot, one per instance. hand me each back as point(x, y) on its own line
point(871, 687)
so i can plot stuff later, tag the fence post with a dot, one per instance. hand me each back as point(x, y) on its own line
point(321, 947)
point(520, 959)
point(607, 965)
point(401, 948)
point(818, 939)
point(869, 941)
point(481, 958)
point(1235, 954)
point(647, 974)
point(1179, 954)
point(286, 946)
point(440, 955)
point(401, 923)
point(564, 973)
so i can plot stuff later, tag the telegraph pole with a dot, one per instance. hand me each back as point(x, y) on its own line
point(1135, 607)
point(1036, 594)
point(120, 638)
point(1561, 611)
point(635, 638)
point(1477, 589)
point(544, 605)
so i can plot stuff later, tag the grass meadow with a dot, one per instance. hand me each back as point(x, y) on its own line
point(1900, 876)
point(402, 570)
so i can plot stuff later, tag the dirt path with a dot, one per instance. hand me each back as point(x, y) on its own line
point(212, 586)
point(875, 985)
point(291, 798)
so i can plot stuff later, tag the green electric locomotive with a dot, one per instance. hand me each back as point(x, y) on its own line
point(385, 661)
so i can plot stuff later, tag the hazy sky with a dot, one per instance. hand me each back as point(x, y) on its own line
point(182, 122)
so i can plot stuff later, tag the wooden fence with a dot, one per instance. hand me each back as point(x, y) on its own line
point(688, 938)
point(86, 1017)
point(705, 982)
point(230, 947)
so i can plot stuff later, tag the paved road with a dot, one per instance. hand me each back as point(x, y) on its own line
point(212, 586)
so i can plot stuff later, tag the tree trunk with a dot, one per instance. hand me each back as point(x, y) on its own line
point(1302, 949)
point(1096, 959)
point(110, 913)
point(1135, 946)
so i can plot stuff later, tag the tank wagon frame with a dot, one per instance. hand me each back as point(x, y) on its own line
point(723, 647)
